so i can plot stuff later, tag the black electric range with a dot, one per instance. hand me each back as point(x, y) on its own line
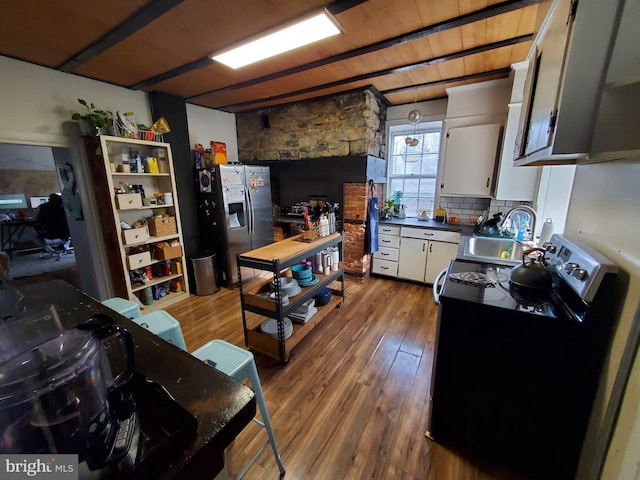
point(492, 289)
point(515, 377)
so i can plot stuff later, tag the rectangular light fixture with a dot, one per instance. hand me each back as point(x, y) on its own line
point(302, 32)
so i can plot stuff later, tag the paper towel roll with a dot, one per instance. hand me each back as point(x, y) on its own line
point(547, 231)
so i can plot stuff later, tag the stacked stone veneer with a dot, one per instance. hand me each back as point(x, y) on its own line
point(347, 124)
point(341, 125)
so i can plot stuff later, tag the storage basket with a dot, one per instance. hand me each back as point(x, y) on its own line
point(309, 235)
point(161, 226)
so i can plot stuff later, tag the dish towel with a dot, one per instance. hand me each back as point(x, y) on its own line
point(371, 229)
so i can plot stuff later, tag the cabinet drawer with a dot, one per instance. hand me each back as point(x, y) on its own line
point(386, 253)
point(389, 241)
point(388, 230)
point(128, 200)
point(139, 260)
point(384, 267)
point(431, 234)
point(135, 235)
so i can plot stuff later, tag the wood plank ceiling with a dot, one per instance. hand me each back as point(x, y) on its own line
point(407, 50)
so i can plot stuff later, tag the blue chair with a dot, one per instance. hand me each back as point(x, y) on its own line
point(124, 307)
point(163, 325)
point(240, 365)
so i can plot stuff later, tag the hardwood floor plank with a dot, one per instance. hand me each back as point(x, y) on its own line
point(352, 402)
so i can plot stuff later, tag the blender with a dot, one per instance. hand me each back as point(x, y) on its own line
point(57, 392)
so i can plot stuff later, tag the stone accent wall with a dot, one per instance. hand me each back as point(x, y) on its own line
point(342, 125)
point(347, 124)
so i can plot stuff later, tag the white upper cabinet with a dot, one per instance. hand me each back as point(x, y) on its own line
point(469, 160)
point(475, 115)
point(566, 74)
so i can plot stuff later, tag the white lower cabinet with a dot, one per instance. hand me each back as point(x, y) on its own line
point(412, 259)
point(440, 255)
point(422, 258)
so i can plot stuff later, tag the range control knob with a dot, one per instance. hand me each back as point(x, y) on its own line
point(579, 273)
point(570, 267)
point(549, 247)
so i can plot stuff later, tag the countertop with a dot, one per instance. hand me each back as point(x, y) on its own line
point(222, 406)
point(432, 224)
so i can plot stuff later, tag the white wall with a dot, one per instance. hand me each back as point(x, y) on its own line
point(206, 125)
point(603, 212)
point(554, 194)
point(36, 105)
point(40, 100)
point(432, 111)
point(484, 98)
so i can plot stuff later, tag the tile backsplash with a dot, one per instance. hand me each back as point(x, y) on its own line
point(468, 207)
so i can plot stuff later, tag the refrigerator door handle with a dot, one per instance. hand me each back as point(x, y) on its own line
point(251, 213)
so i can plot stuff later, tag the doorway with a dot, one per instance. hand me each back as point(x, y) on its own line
point(32, 173)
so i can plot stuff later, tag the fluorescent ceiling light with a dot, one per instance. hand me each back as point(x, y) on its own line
point(304, 32)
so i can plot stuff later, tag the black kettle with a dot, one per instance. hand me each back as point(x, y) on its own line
point(533, 275)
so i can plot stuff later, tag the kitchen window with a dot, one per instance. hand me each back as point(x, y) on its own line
point(413, 166)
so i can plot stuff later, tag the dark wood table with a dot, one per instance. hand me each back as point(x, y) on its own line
point(11, 231)
point(222, 406)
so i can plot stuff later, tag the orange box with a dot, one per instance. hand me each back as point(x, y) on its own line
point(219, 150)
point(167, 253)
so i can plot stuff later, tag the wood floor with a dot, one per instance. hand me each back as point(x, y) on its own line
point(352, 401)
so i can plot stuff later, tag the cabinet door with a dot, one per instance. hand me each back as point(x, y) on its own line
point(469, 160)
point(412, 258)
point(543, 82)
point(440, 254)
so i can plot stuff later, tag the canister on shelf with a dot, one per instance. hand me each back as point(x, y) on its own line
point(148, 296)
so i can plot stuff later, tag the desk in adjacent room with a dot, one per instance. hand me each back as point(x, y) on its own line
point(221, 405)
point(11, 231)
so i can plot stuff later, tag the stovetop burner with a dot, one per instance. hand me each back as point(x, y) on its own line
point(493, 289)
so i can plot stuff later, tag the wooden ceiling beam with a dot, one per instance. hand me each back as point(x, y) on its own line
point(135, 22)
point(478, 15)
point(339, 6)
point(462, 78)
point(389, 71)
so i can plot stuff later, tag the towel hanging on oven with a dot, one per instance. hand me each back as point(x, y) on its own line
point(371, 228)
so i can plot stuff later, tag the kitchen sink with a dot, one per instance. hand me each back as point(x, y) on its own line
point(490, 250)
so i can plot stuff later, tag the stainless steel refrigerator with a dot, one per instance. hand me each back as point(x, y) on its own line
point(234, 210)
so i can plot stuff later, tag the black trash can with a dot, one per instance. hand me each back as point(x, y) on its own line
point(204, 274)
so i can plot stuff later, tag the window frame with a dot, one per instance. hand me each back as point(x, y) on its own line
point(408, 130)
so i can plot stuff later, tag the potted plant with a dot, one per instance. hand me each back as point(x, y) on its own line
point(387, 209)
point(93, 122)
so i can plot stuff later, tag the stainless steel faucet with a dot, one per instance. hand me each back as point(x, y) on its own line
point(517, 218)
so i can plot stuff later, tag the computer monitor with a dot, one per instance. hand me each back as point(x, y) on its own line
point(13, 201)
point(37, 201)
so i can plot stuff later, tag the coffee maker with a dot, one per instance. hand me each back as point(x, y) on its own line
point(58, 394)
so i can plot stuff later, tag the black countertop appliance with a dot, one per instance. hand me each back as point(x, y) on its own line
point(515, 374)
